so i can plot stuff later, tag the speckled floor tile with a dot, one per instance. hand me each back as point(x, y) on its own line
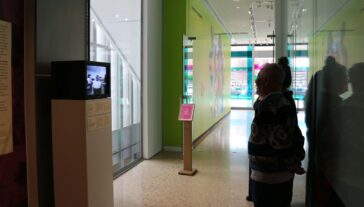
point(221, 181)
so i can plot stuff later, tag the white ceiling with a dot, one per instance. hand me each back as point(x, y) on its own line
point(122, 20)
point(301, 16)
point(237, 20)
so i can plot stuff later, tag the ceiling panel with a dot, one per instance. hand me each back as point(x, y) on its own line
point(235, 15)
point(301, 16)
point(122, 20)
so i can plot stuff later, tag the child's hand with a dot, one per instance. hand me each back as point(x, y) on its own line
point(298, 169)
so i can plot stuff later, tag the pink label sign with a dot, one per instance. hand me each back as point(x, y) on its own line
point(186, 112)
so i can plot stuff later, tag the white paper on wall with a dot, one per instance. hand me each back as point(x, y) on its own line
point(6, 127)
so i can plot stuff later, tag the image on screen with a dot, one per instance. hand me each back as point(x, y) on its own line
point(96, 82)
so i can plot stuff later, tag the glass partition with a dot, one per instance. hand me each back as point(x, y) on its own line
point(115, 37)
point(241, 76)
point(246, 62)
point(262, 54)
point(299, 62)
point(332, 33)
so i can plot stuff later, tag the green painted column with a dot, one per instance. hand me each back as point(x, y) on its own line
point(174, 27)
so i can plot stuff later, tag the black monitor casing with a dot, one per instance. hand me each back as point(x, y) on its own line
point(69, 80)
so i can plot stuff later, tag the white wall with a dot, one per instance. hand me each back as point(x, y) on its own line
point(152, 77)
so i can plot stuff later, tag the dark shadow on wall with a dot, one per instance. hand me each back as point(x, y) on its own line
point(340, 159)
point(322, 100)
point(62, 34)
point(298, 205)
point(44, 142)
point(336, 136)
point(13, 175)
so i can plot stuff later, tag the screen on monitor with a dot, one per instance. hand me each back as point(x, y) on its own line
point(96, 80)
point(80, 80)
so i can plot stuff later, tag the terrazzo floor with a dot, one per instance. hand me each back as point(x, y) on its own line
point(222, 178)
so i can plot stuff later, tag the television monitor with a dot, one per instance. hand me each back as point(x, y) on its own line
point(80, 80)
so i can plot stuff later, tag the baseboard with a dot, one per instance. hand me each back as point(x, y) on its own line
point(154, 155)
point(199, 139)
point(172, 149)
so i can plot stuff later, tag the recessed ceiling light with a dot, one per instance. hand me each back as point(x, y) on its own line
point(236, 0)
point(126, 19)
point(238, 7)
point(117, 15)
point(304, 10)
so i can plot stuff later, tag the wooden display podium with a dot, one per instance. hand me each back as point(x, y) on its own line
point(186, 115)
point(82, 153)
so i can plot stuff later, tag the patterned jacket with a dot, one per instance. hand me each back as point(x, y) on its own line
point(275, 143)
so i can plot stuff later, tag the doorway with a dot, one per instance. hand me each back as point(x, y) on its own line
point(246, 62)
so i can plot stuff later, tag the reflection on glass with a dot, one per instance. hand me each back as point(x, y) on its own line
point(334, 99)
point(111, 42)
point(299, 61)
point(188, 73)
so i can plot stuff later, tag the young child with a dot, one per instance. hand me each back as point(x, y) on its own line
point(275, 144)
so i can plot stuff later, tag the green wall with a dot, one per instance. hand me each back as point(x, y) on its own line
point(211, 67)
point(211, 74)
point(174, 26)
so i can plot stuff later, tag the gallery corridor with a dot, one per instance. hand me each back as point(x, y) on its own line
point(222, 178)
